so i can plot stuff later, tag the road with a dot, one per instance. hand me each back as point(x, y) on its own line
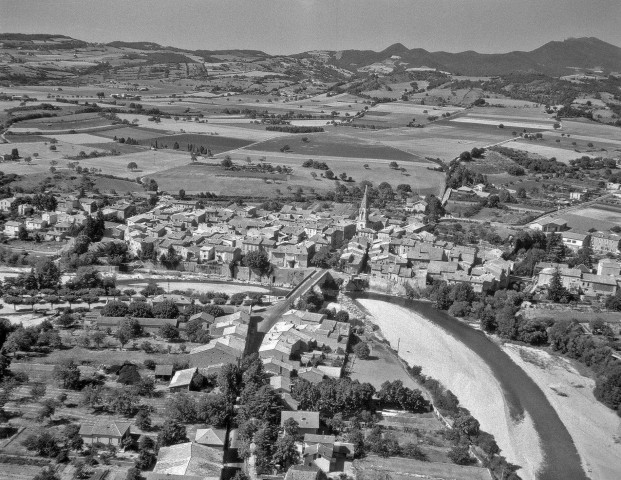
point(275, 312)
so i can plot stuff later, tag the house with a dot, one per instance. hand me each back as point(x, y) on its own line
point(574, 240)
point(280, 383)
point(182, 380)
point(308, 422)
point(304, 472)
point(192, 460)
point(11, 228)
point(6, 203)
point(214, 353)
point(163, 372)
point(324, 452)
point(203, 317)
point(605, 242)
point(211, 437)
point(549, 225)
point(108, 433)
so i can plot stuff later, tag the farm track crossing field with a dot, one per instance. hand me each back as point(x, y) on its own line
point(215, 143)
point(334, 145)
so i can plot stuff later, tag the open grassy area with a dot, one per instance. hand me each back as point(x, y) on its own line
point(148, 161)
point(207, 177)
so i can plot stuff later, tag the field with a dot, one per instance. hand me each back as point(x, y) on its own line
point(215, 143)
point(65, 122)
point(170, 125)
point(602, 213)
point(381, 365)
point(149, 162)
point(201, 177)
point(441, 139)
point(334, 145)
point(135, 133)
point(546, 151)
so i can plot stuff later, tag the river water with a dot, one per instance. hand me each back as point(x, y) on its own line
point(521, 394)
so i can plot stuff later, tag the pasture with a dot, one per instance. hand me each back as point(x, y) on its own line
point(207, 176)
point(45, 155)
point(148, 161)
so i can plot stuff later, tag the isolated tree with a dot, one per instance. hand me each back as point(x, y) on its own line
point(226, 162)
point(132, 166)
point(362, 350)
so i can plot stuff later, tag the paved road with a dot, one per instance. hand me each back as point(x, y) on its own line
point(275, 312)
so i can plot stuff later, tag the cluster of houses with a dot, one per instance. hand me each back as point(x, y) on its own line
point(581, 279)
point(71, 212)
point(600, 242)
point(303, 344)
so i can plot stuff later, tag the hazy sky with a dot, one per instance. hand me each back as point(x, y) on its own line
point(290, 26)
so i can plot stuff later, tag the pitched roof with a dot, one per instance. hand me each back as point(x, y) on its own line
point(189, 459)
point(211, 436)
point(302, 472)
point(182, 377)
point(305, 419)
point(105, 429)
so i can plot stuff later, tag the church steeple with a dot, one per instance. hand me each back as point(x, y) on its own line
point(363, 213)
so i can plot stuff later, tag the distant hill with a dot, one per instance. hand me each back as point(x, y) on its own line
point(553, 58)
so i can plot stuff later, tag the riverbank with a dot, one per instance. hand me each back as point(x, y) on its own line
point(595, 429)
point(446, 359)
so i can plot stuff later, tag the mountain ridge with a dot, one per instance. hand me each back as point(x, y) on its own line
point(554, 58)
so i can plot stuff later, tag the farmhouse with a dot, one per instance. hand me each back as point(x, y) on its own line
point(108, 433)
point(191, 460)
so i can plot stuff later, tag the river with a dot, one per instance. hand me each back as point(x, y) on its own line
point(494, 388)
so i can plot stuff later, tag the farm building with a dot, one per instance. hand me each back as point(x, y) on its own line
point(108, 433)
point(182, 380)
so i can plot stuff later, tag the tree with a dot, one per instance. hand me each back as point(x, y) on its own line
point(393, 165)
point(37, 391)
point(22, 233)
point(48, 473)
point(556, 290)
point(132, 166)
point(226, 162)
point(67, 374)
point(291, 427)
point(460, 455)
point(171, 433)
point(165, 309)
point(169, 332)
point(98, 338)
point(362, 351)
point(115, 308)
point(123, 401)
point(181, 194)
point(286, 453)
point(258, 260)
point(128, 330)
point(555, 248)
point(14, 154)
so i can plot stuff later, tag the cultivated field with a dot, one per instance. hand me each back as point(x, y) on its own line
point(334, 145)
point(215, 143)
point(170, 125)
point(546, 151)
